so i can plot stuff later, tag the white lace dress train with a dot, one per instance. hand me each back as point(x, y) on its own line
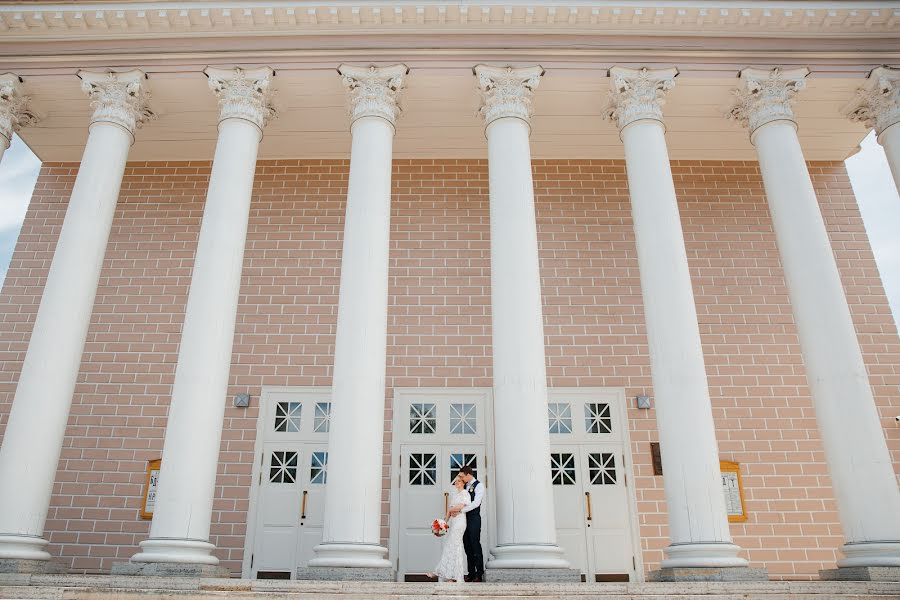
point(453, 555)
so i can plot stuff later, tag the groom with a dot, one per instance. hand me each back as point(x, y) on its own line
point(472, 537)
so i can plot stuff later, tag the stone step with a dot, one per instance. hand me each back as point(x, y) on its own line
point(108, 587)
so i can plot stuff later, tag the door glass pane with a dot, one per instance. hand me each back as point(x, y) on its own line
point(560, 416)
point(422, 418)
point(283, 467)
point(460, 460)
point(462, 418)
point(287, 417)
point(562, 468)
point(602, 468)
point(597, 418)
point(422, 469)
point(322, 418)
point(318, 467)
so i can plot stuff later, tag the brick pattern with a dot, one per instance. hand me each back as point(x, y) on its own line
point(439, 329)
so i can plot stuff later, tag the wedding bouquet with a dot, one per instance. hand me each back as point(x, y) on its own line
point(439, 527)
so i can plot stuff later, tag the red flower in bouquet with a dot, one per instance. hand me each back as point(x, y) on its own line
point(439, 527)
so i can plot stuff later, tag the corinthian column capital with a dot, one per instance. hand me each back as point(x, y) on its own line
point(877, 103)
point(243, 95)
point(766, 95)
point(14, 113)
point(118, 98)
point(374, 91)
point(506, 92)
point(638, 94)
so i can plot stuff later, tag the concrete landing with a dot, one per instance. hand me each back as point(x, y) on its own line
point(168, 569)
point(108, 587)
point(710, 574)
point(861, 574)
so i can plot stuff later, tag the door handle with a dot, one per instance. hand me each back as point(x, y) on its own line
point(303, 505)
point(587, 495)
point(446, 503)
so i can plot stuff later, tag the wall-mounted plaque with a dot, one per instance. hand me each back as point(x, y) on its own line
point(733, 490)
point(150, 488)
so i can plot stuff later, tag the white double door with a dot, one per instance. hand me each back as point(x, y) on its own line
point(592, 499)
point(287, 507)
point(436, 433)
point(426, 476)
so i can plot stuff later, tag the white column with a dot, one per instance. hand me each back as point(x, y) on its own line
point(352, 529)
point(40, 410)
point(865, 486)
point(14, 113)
point(179, 532)
point(526, 528)
point(877, 104)
point(698, 522)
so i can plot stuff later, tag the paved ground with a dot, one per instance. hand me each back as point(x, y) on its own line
point(105, 587)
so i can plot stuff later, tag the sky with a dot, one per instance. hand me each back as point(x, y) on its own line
point(870, 177)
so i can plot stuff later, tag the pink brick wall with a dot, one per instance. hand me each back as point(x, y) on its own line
point(439, 329)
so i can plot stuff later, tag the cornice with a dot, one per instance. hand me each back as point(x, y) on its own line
point(750, 18)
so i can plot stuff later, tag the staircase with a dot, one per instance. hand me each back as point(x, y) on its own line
point(107, 587)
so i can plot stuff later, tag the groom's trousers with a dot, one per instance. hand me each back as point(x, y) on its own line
point(472, 544)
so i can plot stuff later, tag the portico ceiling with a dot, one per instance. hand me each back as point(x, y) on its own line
point(575, 41)
point(439, 118)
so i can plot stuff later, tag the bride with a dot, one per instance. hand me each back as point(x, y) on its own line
point(452, 566)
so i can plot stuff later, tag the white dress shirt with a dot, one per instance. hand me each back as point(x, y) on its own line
point(479, 496)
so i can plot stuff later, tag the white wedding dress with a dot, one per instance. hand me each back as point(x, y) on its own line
point(453, 555)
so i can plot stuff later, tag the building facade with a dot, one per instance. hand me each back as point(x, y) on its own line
point(288, 266)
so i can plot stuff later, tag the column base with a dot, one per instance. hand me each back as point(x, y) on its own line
point(353, 555)
point(346, 574)
point(708, 574)
point(870, 554)
point(861, 574)
point(175, 550)
point(704, 555)
point(528, 556)
point(24, 547)
point(169, 569)
point(494, 575)
point(24, 566)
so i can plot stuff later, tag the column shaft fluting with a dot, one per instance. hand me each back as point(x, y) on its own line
point(179, 532)
point(37, 421)
point(698, 522)
point(526, 529)
point(352, 528)
point(859, 463)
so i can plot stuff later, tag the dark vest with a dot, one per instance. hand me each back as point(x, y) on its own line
point(475, 511)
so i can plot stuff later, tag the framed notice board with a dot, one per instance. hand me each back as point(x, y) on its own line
point(733, 489)
point(150, 487)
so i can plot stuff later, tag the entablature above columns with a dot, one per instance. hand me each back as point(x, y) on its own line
point(123, 20)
